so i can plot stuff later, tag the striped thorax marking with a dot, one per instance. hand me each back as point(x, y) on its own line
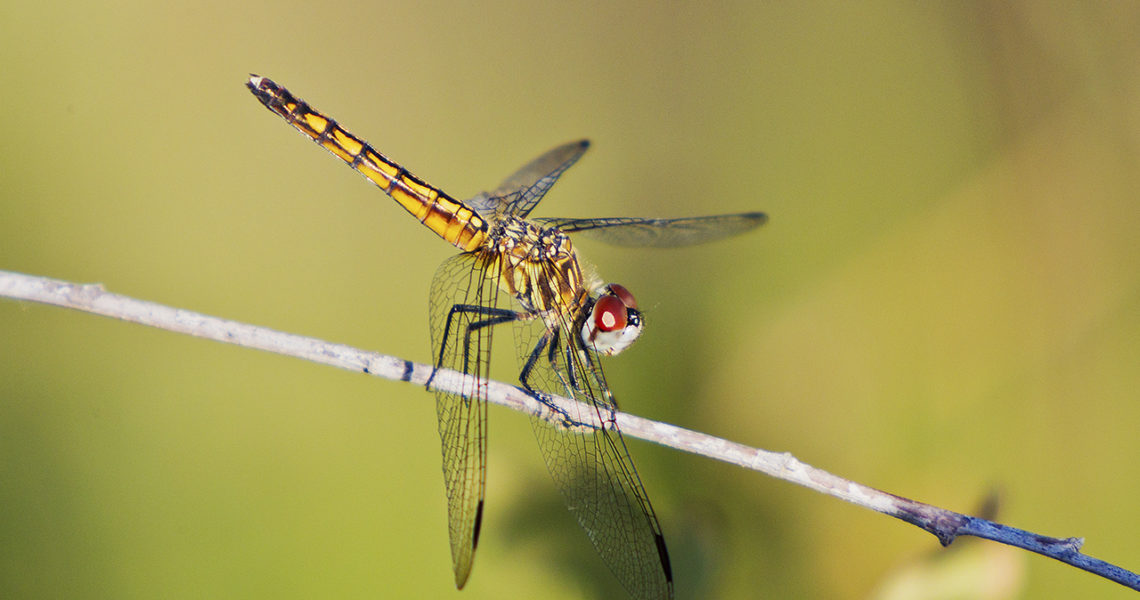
point(527, 254)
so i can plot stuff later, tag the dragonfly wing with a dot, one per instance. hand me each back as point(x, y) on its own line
point(632, 231)
point(593, 467)
point(519, 193)
point(460, 343)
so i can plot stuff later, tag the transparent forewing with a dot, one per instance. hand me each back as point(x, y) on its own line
point(461, 342)
point(633, 231)
point(593, 467)
point(519, 193)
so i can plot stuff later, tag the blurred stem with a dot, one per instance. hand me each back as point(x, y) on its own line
point(946, 525)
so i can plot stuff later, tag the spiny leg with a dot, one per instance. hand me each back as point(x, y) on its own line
point(548, 345)
point(495, 316)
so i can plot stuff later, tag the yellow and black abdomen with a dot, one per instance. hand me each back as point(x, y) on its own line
point(450, 219)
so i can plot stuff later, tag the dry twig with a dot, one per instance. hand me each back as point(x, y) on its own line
point(944, 524)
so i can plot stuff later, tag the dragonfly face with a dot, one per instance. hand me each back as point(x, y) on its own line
point(613, 323)
point(526, 272)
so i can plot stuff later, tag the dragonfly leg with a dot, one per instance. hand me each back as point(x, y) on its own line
point(490, 316)
point(569, 375)
point(548, 345)
point(532, 359)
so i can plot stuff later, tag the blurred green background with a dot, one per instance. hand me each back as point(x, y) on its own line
point(946, 301)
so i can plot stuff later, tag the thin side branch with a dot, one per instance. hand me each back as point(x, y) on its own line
point(944, 524)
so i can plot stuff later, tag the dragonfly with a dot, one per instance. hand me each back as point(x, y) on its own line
point(525, 271)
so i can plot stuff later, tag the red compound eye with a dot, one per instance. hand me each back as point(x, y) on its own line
point(623, 294)
point(610, 313)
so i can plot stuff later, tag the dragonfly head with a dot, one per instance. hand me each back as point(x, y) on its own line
point(614, 321)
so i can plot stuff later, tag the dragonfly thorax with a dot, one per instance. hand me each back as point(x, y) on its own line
point(539, 267)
